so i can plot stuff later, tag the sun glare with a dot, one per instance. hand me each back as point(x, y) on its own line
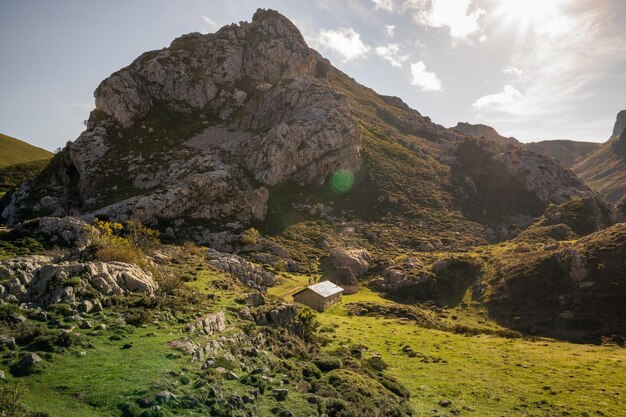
point(529, 14)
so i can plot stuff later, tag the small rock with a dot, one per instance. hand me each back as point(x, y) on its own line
point(165, 397)
point(7, 341)
point(280, 393)
point(230, 375)
point(445, 403)
point(86, 325)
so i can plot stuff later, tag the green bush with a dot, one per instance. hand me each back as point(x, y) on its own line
point(327, 363)
point(250, 237)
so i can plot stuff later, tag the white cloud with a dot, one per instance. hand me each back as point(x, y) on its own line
point(383, 4)
point(345, 42)
point(513, 71)
point(561, 63)
point(427, 81)
point(495, 101)
point(209, 25)
point(457, 15)
point(390, 30)
point(391, 53)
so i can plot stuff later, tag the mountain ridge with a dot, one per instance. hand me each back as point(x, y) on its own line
point(255, 93)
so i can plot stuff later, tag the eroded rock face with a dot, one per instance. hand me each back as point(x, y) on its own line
point(200, 130)
point(494, 177)
point(65, 231)
point(208, 324)
point(42, 281)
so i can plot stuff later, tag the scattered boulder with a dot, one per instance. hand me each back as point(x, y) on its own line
point(165, 397)
point(29, 364)
point(280, 394)
point(356, 260)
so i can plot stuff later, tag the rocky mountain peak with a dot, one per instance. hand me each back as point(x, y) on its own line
point(620, 123)
point(191, 73)
point(482, 131)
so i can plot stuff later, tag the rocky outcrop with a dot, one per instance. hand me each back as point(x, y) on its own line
point(493, 177)
point(63, 231)
point(482, 131)
point(620, 123)
point(445, 282)
point(208, 324)
point(283, 315)
point(42, 280)
point(200, 130)
point(356, 260)
point(583, 215)
point(245, 271)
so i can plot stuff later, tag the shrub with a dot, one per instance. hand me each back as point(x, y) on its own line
point(376, 363)
point(309, 324)
point(327, 363)
point(249, 237)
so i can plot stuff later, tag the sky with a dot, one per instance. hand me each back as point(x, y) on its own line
point(533, 69)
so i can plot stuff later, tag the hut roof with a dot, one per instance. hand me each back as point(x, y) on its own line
point(325, 289)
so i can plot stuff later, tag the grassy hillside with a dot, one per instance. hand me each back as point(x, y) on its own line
point(441, 361)
point(605, 169)
point(568, 152)
point(14, 151)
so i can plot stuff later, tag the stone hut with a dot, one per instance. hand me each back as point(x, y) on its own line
point(319, 296)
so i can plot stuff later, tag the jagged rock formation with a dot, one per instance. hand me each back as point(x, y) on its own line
point(620, 123)
point(200, 130)
point(42, 280)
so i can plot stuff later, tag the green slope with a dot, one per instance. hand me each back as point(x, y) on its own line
point(14, 151)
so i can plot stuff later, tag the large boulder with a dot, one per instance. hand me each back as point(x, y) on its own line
point(29, 364)
point(355, 259)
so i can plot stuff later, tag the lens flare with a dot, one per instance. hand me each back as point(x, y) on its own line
point(342, 181)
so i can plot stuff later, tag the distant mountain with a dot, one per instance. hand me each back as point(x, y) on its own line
point(482, 131)
point(568, 152)
point(14, 151)
point(604, 170)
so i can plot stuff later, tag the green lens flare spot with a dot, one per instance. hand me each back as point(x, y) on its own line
point(342, 181)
